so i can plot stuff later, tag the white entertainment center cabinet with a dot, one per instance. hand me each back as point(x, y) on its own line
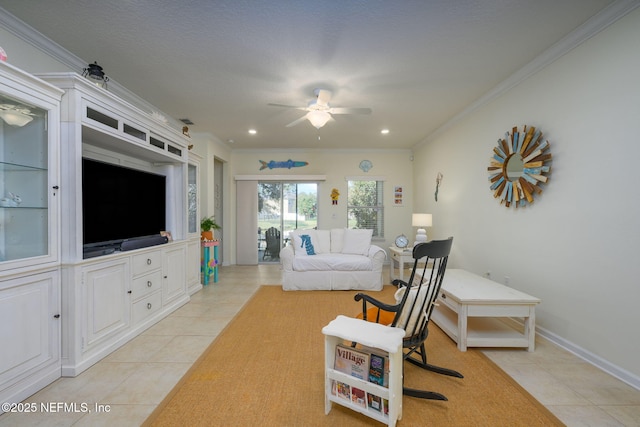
point(61, 313)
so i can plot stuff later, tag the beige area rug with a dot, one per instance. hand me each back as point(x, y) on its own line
point(267, 369)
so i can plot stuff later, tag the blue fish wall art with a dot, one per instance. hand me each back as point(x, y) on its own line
point(288, 164)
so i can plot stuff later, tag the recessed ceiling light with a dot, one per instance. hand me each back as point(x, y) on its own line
point(384, 131)
point(253, 131)
point(230, 141)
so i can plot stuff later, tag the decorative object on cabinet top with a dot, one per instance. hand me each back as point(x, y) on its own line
point(519, 166)
point(94, 73)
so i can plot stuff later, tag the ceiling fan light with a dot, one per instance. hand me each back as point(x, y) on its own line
point(15, 117)
point(318, 118)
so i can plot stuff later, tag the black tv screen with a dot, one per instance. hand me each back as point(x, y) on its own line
point(120, 203)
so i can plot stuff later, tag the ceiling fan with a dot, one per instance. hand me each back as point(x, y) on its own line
point(319, 112)
point(15, 115)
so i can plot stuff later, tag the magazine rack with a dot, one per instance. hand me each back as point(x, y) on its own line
point(384, 338)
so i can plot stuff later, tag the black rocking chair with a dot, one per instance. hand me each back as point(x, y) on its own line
point(415, 301)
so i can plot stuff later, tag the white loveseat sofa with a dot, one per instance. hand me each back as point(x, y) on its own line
point(337, 259)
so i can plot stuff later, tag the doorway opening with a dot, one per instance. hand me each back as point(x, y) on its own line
point(282, 208)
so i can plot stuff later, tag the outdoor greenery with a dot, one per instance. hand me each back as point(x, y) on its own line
point(306, 205)
point(365, 207)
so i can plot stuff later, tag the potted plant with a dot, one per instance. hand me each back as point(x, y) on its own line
point(207, 225)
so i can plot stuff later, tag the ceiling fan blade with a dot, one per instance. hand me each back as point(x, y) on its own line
point(288, 106)
point(350, 110)
point(295, 122)
point(324, 96)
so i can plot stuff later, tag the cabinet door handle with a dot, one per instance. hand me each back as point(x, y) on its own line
point(148, 261)
point(149, 284)
point(128, 292)
point(56, 316)
point(149, 305)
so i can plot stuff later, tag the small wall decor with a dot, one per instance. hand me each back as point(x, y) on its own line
point(438, 181)
point(288, 164)
point(519, 166)
point(365, 165)
point(397, 195)
point(335, 195)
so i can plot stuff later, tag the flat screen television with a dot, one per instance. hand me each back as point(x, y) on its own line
point(120, 203)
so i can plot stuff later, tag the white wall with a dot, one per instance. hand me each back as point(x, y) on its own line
point(209, 148)
point(394, 165)
point(576, 247)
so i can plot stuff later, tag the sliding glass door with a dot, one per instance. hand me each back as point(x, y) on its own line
point(283, 207)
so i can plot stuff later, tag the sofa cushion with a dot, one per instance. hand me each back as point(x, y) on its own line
point(324, 241)
point(337, 240)
point(357, 241)
point(332, 262)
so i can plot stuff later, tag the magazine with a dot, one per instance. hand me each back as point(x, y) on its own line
point(378, 366)
point(352, 362)
point(358, 397)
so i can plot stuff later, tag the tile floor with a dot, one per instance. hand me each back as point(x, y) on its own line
point(130, 382)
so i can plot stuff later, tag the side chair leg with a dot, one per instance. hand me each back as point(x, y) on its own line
point(423, 394)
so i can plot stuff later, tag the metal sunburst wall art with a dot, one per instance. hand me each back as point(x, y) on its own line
point(520, 166)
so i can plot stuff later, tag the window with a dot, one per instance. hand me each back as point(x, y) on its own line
point(365, 208)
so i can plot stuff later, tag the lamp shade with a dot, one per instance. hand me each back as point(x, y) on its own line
point(421, 220)
point(318, 118)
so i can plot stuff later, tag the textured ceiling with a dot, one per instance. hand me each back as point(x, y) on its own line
point(220, 63)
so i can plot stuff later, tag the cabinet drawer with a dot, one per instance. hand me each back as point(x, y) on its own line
point(147, 284)
point(146, 262)
point(146, 307)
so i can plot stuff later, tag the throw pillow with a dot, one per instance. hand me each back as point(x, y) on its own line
point(306, 244)
point(301, 245)
point(416, 315)
point(357, 241)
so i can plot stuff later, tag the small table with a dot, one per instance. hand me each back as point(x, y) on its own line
point(210, 265)
point(346, 329)
point(400, 256)
point(470, 307)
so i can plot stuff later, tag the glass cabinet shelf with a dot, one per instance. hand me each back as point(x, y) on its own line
point(24, 180)
point(13, 167)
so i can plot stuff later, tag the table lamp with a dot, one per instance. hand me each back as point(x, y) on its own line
point(421, 220)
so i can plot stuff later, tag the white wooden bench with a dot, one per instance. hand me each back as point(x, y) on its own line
point(470, 309)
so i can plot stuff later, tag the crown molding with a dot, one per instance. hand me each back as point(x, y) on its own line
point(43, 43)
point(584, 32)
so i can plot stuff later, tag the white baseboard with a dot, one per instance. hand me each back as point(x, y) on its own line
point(595, 360)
